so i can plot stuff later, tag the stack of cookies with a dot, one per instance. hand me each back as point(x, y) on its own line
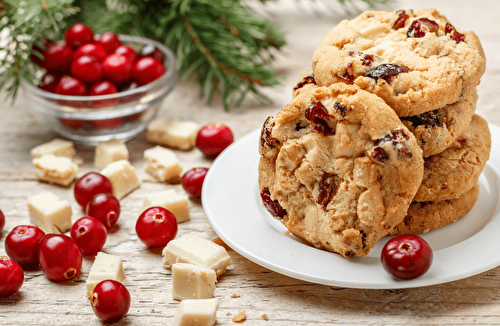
point(381, 137)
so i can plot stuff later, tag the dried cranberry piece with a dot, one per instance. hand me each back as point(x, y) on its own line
point(427, 119)
point(318, 115)
point(401, 20)
point(380, 154)
point(273, 206)
point(398, 141)
point(265, 134)
point(327, 188)
point(463, 141)
point(367, 60)
point(422, 26)
point(305, 80)
point(454, 34)
point(348, 78)
point(340, 108)
point(386, 71)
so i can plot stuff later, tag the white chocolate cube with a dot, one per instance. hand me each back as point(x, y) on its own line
point(122, 176)
point(105, 267)
point(192, 282)
point(58, 170)
point(49, 212)
point(110, 151)
point(173, 133)
point(177, 204)
point(193, 249)
point(196, 312)
point(163, 164)
point(56, 147)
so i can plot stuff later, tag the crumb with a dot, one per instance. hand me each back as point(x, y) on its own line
point(264, 316)
point(287, 232)
point(221, 243)
point(152, 310)
point(235, 295)
point(240, 317)
point(78, 160)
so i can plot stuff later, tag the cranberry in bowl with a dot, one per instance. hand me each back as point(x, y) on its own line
point(107, 104)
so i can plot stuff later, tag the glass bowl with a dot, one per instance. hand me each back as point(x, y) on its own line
point(89, 120)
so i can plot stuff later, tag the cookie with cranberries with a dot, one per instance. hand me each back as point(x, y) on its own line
point(338, 168)
point(416, 60)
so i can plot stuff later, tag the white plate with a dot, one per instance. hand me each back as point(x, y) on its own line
point(232, 204)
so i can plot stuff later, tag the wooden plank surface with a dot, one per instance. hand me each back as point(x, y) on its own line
point(285, 301)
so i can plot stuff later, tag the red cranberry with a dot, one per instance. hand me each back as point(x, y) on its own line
point(398, 140)
point(213, 138)
point(401, 20)
point(427, 119)
point(192, 181)
point(21, 245)
point(2, 220)
point(37, 50)
point(78, 34)
point(406, 256)
point(72, 123)
point(146, 70)
point(449, 29)
point(319, 116)
point(149, 50)
point(305, 80)
point(91, 50)
point(272, 206)
point(104, 88)
point(60, 257)
point(11, 277)
point(89, 185)
point(104, 207)
point(109, 41)
point(110, 300)
point(49, 82)
point(89, 234)
point(117, 68)
point(58, 58)
point(265, 134)
point(107, 124)
point(87, 69)
point(71, 86)
point(327, 188)
point(132, 97)
point(386, 71)
point(127, 51)
point(156, 227)
point(422, 26)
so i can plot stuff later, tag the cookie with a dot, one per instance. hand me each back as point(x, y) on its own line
point(417, 61)
point(338, 168)
point(436, 130)
point(428, 216)
point(457, 169)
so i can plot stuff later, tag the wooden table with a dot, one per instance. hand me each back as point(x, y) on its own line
point(258, 291)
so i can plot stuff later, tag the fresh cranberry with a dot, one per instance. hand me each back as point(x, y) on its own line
point(60, 258)
point(107, 124)
point(406, 256)
point(192, 181)
point(156, 226)
point(272, 206)
point(104, 88)
point(72, 123)
point(37, 50)
point(49, 82)
point(449, 29)
point(149, 50)
point(319, 116)
point(58, 58)
point(2, 220)
point(386, 71)
point(109, 41)
point(89, 234)
point(73, 87)
point(11, 277)
point(127, 51)
point(133, 97)
point(213, 138)
point(89, 185)
point(104, 207)
point(91, 50)
point(146, 70)
point(87, 69)
point(117, 68)
point(422, 26)
point(21, 245)
point(110, 300)
point(78, 34)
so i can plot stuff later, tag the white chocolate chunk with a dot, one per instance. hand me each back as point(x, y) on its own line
point(173, 133)
point(105, 267)
point(196, 312)
point(192, 282)
point(56, 147)
point(162, 163)
point(110, 151)
point(58, 170)
point(122, 176)
point(177, 204)
point(195, 250)
point(49, 212)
